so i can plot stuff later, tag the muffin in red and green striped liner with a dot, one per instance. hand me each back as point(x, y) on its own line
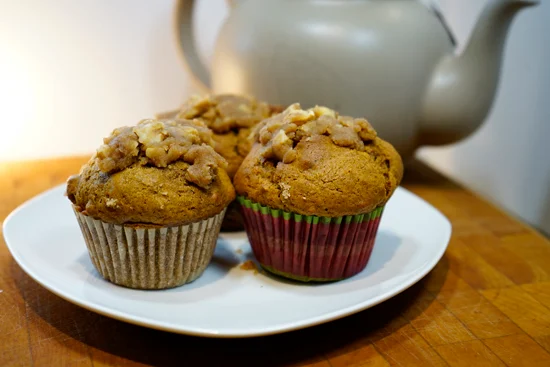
point(312, 192)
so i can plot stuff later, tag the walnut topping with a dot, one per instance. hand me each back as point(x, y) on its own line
point(281, 133)
point(285, 190)
point(111, 203)
point(159, 143)
point(224, 112)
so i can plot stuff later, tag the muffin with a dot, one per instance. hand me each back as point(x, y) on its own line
point(312, 191)
point(150, 203)
point(231, 118)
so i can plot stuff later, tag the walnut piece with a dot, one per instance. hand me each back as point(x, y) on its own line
point(280, 134)
point(285, 190)
point(225, 112)
point(111, 203)
point(162, 142)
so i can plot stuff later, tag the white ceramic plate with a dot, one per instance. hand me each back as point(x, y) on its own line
point(226, 301)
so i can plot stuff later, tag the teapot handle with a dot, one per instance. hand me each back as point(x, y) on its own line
point(185, 37)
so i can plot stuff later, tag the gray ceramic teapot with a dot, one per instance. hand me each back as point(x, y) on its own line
point(391, 61)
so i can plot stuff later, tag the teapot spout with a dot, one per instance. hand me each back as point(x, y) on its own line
point(462, 88)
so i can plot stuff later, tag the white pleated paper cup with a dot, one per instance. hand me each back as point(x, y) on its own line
point(150, 258)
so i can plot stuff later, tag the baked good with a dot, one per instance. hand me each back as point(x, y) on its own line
point(150, 203)
point(313, 189)
point(231, 118)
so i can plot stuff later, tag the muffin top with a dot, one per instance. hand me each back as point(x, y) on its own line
point(159, 172)
point(225, 112)
point(230, 117)
point(316, 162)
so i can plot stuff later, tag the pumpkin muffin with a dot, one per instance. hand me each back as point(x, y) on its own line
point(312, 192)
point(150, 203)
point(231, 118)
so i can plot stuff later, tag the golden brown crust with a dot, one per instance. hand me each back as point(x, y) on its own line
point(148, 195)
point(322, 177)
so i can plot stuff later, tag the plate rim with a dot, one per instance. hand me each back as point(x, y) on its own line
point(195, 331)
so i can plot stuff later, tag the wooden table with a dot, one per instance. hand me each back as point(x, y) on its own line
point(487, 303)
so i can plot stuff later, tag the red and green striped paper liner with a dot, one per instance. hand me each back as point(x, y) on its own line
point(310, 248)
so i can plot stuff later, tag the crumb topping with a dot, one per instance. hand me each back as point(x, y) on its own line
point(225, 112)
point(280, 134)
point(159, 143)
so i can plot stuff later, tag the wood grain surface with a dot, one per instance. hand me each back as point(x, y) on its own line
point(487, 303)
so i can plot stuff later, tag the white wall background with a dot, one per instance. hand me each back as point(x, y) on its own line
point(70, 71)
